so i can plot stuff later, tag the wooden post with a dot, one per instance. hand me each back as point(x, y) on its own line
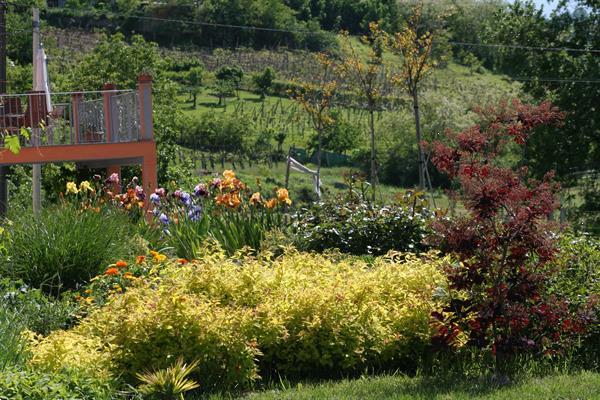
point(287, 168)
point(107, 105)
point(76, 99)
point(144, 88)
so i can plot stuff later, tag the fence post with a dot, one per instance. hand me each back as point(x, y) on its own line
point(76, 99)
point(107, 105)
point(144, 88)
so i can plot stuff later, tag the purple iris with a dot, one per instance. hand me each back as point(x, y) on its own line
point(156, 212)
point(113, 178)
point(139, 192)
point(154, 198)
point(216, 182)
point(186, 199)
point(177, 193)
point(201, 190)
point(195, 213)
point(164, 219)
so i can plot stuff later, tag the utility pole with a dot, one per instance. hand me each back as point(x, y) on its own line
point(3, 170)
point(35, 131)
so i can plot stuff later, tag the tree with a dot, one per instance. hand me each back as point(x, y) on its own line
point(554, 74)
point(315, 98)
point(193, 79)
point(116, 61)
point(415, 49)
point(503, 243)
point(264, 81)
point(368, 78)
point(230, 77)
point(339, 136)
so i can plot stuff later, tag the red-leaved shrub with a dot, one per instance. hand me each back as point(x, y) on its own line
point(504, 242)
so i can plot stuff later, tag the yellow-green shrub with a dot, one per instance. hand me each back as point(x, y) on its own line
point(70, 350)
point(300, 313)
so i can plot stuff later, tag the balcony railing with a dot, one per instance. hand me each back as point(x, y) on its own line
point(108, 116)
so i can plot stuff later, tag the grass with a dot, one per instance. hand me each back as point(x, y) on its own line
point(579, 386)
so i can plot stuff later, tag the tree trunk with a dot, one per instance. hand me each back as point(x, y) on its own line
point(319, 162)
point(195, 96)
point(421, 157)
point(373, 161)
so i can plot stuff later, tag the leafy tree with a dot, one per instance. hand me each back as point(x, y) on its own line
point(340, 136)
point(264, 81)
point(316, 99)
point(116, 61)
point(549, 74)
point(228, 81)
point(471, 61)
point(368, 78)
point(193, 79)
point(415, 49)
point(504, 243)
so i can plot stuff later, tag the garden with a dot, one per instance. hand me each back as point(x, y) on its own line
point(226, 290)
point(443, 246)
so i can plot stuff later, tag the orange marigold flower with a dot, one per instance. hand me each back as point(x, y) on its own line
point(128, 275)
point(140, 259)
point(182, 261)
point(229, 174)
point(121, 264)
point(111, 271)
point(271, 203)
point(159, 257)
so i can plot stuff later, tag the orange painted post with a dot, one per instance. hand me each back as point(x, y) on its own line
point(115, 169)
point(36, 115)
point(108, 118)
point(76, 99)
point(144, 88)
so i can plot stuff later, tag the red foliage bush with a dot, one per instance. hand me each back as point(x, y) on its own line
point(504, 242)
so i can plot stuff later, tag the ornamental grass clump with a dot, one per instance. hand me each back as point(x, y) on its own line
point(248, 317)
point(64, 247)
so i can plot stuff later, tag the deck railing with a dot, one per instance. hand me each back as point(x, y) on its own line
point(107, 116)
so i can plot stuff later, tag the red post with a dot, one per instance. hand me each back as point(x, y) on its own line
point(76, 99)
point(144, 88)
point(107, 97)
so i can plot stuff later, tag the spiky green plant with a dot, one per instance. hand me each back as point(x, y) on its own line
point(169, 383)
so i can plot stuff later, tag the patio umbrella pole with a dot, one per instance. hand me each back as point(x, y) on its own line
point(35, 134)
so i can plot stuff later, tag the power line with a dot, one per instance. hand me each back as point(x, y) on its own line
point(516, 46)
point(299, 31)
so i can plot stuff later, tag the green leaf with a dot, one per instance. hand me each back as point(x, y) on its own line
point(11, 143)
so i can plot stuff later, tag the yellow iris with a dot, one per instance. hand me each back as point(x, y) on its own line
point(85, 186)
point(72, 188)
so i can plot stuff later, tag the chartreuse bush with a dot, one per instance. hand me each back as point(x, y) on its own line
point(245, 317)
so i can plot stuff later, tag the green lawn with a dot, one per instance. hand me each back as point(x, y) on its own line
point(581, 386)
